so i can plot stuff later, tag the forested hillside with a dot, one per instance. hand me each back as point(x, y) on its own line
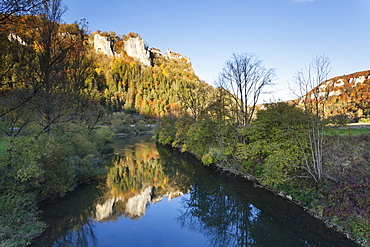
point(347, 96)
point(161, 88)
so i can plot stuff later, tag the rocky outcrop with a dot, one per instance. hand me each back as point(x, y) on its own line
point(103, 45)
point(173, 55)
point(155, 51)
point(135, 47)
point(136, 206)
point(13, 36)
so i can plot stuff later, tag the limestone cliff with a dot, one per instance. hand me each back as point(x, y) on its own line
point(103, 45)
point(135, 47)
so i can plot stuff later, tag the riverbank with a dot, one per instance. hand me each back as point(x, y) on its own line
point(269, 156)
point(327, 221)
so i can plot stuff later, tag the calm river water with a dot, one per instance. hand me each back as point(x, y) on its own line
point(156, 196)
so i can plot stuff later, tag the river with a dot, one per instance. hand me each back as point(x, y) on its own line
point(156, 196)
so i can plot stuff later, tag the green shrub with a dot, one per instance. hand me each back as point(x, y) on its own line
point(166, 131)
point(141, 125)
point(51, 164)
point(19, 222)
point(3, 142)
point(102, 136)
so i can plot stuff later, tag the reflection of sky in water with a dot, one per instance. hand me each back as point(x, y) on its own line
point(157, 227)
point(254, 213)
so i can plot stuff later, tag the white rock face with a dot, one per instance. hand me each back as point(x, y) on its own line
point(171, 195)
point(104, 210)
point(13, 36)
point(173, 55)
point(135, 47)
point(136, 206)
point(339, 83)
point(359, 80)
point(103, 44)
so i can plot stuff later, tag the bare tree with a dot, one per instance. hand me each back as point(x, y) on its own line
point(314, 91)
point(245, 76)
point(9, 8)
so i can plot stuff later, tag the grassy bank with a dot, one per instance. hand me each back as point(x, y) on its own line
point(347, 131)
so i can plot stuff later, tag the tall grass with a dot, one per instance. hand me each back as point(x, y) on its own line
point(346, 132)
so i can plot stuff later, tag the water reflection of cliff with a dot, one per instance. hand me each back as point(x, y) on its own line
point(136, 180)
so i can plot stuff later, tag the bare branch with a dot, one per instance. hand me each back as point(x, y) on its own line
point(245, 76)
point(314, 91)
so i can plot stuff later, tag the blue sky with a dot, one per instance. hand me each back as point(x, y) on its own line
point(285, 34)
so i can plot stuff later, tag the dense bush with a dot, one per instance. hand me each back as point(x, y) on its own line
point(51, 164)
point(36, 165)
point(19, 222)
point(207, 140)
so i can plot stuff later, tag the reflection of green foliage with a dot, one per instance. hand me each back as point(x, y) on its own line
point(143, 164)
point(178, 167)
point(132, 175)
point(77, 210)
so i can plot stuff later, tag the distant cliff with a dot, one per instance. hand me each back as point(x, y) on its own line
point(347, 95)
point(134, 46)
point(103, 45)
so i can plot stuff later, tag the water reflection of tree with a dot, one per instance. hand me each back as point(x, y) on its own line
point(128, 176)
point(225, 220)
point(69, 220)
point(229, 212)
point(210, 208)
point(81, 237)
